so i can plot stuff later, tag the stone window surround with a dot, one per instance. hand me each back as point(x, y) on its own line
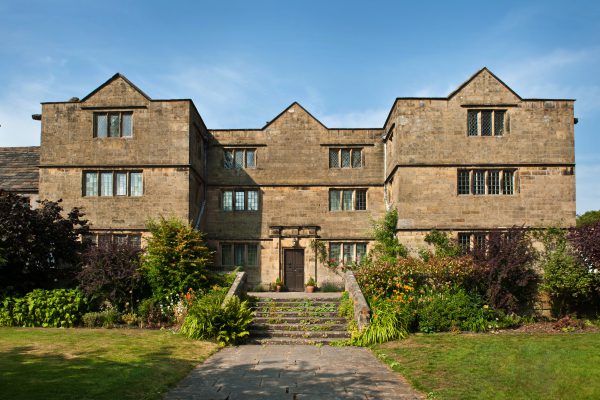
point(472, 239)
point(351, 151)
point(98, 238)
point(245, 150)
point(231, 250)
point(95, 115)
point(114, 172)
point(233, 199)
point(354, 199)
point(342, 255)
point(505, 188)
point(497, 127)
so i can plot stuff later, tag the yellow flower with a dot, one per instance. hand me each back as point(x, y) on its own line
point(485, 306)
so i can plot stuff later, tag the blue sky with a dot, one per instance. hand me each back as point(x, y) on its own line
point(242, 62)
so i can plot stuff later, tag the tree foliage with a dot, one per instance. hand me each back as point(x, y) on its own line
point(387, 246)
point(586, 243)
point(587, 218)
point(442, 244)
point(110, 273)
point(40, 246)
point(176, 258)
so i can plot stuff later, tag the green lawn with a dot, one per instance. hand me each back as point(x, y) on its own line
point(502, 366)
point(40, 363)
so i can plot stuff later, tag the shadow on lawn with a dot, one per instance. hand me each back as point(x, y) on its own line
point(25, 374)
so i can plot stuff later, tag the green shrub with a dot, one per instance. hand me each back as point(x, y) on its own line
point(207, 319)
point(453, 309)
point(346, 308)
point(104, 319)
point(152, 313)
point(58, 308)
point(388, 322)
point(387, 246)
point(131, 319)
point(332, 287)
point(176, 258)
point(443, 245)
point(92, 320)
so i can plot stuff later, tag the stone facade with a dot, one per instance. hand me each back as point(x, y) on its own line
point(481, 159)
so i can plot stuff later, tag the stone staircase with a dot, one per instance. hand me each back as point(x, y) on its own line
point(297, 320)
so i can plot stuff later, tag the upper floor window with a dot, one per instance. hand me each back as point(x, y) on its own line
point(239, 158)
point(345, 158)
point(112, 183)
point(239, 200)
point(482, 181)
point(347, 199)
point(485, 122)
point(113, 124)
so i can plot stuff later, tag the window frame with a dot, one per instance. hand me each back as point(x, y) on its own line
point(231, 253)
point(475, 120)
point(502, 185)
point(104, 238)
point(99, 172)
point(245, 151)
point(233, 192)
point(108, 115)
point(342, 245)
point(354, 200)
point(339, 151)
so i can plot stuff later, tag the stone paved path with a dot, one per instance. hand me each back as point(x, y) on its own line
point(292, 372)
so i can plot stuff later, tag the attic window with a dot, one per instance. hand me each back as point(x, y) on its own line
point(113, 124)
point(485, 122)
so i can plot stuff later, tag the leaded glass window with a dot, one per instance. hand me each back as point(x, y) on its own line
point(361, 251)
point(252, 254)
point(226, 254)
point(499, 122)
point(121, 183)
point(126, 128)
point(493, 182)
point(113, 125)
point(101, 125)
point(250, 158)
point(356, 158)
point(463, 182)
point(348, 253)
point(334, 158)
point(240, 202)
point(361, 200)
point(106, 184)
point(239, 159)
point(473, 129)
point(91, 184)
point(508, 182)
point(347, 200)
point(345, 158)
point(478, 182)
point(238, 254)
point(228, 159)
point(136, 184)
point(227, 200)
point(464, 240)
point(335, 251)
point(334, 200)
point(252, 200)
point(486, 123)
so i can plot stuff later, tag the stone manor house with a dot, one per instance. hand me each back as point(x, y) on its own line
point(483, 158)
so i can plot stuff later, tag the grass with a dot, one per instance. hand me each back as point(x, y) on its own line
point(45, 363)
point(503, 366)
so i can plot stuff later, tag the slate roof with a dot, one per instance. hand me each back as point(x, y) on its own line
point(19, 169)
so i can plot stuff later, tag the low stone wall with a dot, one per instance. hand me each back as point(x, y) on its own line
point(362, 312)
point(237, 286)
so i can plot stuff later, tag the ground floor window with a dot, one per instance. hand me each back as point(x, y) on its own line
point(472, 240)
point(347, 252)
point(104, 239)
point(239, 254)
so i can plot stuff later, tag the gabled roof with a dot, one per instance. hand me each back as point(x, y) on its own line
point(19, 169)
point(475, 75)
point(290, 106)
point(113, 78)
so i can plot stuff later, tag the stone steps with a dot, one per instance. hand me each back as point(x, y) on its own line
point(297, 321)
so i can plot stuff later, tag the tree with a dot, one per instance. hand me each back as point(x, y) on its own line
point(176, 258)
point(41, 247)
point(387, 246)
point(586, 243)
point(110, 273)
point(588, 218)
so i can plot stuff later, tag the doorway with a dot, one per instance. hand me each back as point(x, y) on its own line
point(293, 260)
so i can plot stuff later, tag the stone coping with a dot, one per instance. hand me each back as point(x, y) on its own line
point(296, 295)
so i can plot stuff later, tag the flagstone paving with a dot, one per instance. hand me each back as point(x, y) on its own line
point(292, 372)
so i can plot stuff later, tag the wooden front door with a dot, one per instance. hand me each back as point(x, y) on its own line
point(293, 261)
